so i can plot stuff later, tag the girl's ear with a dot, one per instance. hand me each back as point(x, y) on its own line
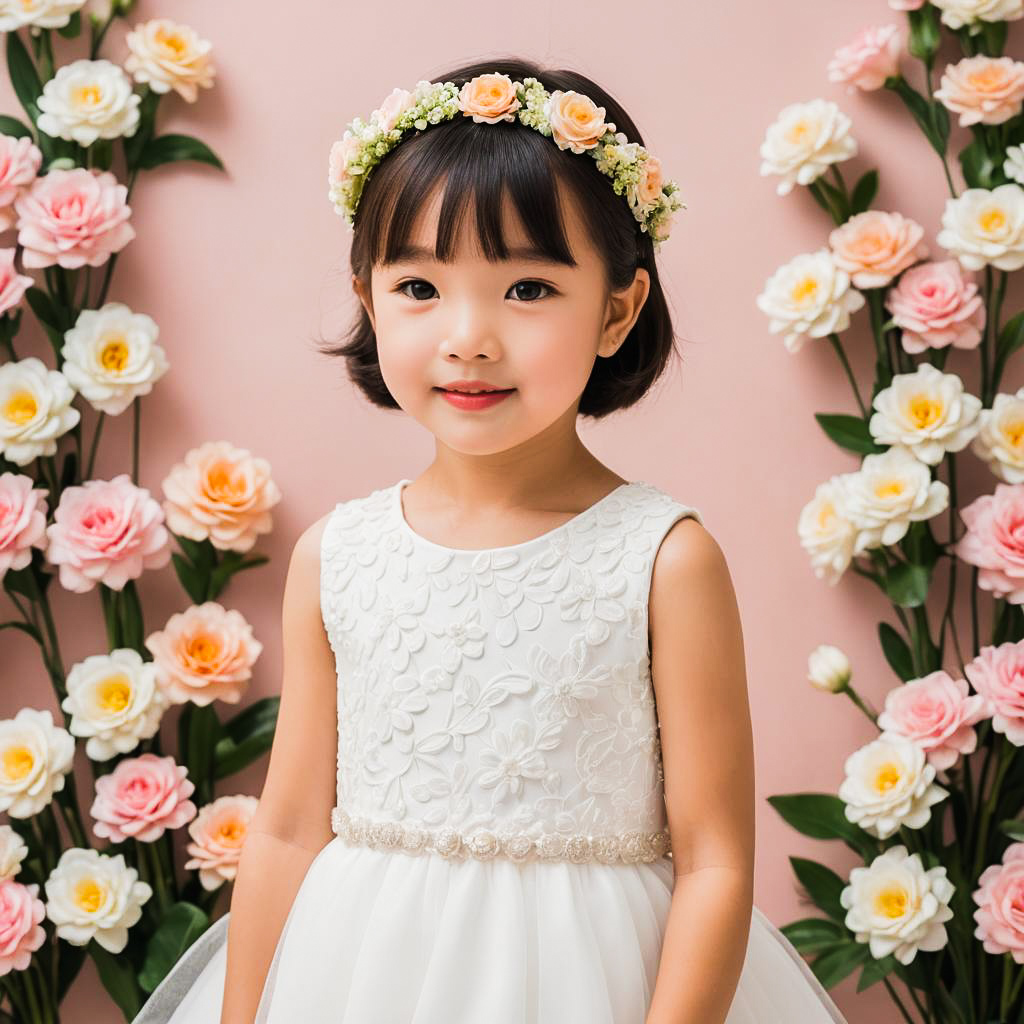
point(623, 309)
point(365, 298)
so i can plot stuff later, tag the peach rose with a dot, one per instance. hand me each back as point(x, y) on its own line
point(936, 712)
point(577, 123)
point(222, 493)
point(994, 541)
point(997, 673)
point(648, 189)
point(106, 531)
point(22, 520)
point(935, 305)
point(20, 159)
point(985, 90)
point(874, 247)
point(21, 930)
point(12, 284)
point(73, 218)
point(1000, 899)
point(388, 113)
point(490, 98)
point(871, 58)
point(141, 798)
point(218, 833)
point(204, 653)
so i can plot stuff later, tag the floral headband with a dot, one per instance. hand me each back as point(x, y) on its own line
point(570, 118)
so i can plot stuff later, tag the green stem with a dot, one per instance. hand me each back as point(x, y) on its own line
point(33, 1002)
point(95, 442)
point(899, 1002)
point(837, 345)
point(136, 419)
point(1005, 757)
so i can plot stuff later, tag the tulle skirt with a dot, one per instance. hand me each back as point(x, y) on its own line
point(378, 937)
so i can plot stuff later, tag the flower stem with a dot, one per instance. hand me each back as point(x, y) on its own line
point(899, 1002)
point(837, 345)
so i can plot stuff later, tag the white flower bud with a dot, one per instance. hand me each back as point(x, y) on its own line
point(828, 669)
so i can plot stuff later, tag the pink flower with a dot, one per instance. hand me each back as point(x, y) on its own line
point(203, 654)
point(1000, 899)
point(937, 306)
point(874, 247)
point(871, 58)
point(997, 673)
point(12, 284)
point(994, 541)
point(906, 5)
point(22, 520)
point(981, 89)
point(19, 164)
point(396, 104)
point(21, 931)
point(936, 712)
point(218, 834)
point(141, 797)
point(107, 531)
point(73, 218)
point(341, 152)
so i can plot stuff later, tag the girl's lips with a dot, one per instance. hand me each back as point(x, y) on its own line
point(483, 400)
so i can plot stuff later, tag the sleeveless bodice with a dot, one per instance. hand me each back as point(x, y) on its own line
point(498, 701)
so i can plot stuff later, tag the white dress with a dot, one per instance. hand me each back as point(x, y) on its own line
point(500, 829)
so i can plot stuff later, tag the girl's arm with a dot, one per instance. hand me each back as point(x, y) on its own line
point(292, 822)
point(697, 664)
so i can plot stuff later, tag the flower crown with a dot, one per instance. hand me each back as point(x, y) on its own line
point(571, 119)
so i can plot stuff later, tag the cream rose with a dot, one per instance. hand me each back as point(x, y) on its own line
point(491, 98)
point(1013, 165)
point(166, 55)
point(804, 140)
point(35, 409)
point(873, 247)
point(982, 90)
point(38, 14)
point(35, 757)
point(826, 533)
point(577, 123)
point(828, 669)
point(88, 100)
point(957, 13)
point(12, 852)
point(1000, 438)
point(982, 226)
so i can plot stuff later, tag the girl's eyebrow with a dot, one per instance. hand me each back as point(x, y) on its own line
point(409, 252)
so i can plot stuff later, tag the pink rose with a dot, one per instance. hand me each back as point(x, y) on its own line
point(341, 152)
point(1000, 899)
point(648, 189)
point(936, 712)
point(577, 122)
point(22, 520)
point(874, 247)
point(218, 833)
point(994, 541)
point(73, 218)
point(936, 306)
point(871, 58)
point(12, 284)
point(21, 931)
point(985, 90)
point(20, 159)
point(107, 531)
point(393, 108)
point(141, 798)
point(997, 673)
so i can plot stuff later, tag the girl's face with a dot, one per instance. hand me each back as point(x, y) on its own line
point(527, 324)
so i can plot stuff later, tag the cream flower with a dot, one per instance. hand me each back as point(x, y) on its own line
point(983, 226)
point(111, 356)
point(808, 297)
point(804, 140)
point(928, 411)
point(826, 533)
point(35, 409)
point(38, 14)
point(1013, 165)
point(90, 895)
point(88, 100)
point(1000, 439)
point(828, 669)
point(577, 122)
point(889, 785)
point(983, 89)
point(897, 907)
point(168, 56)
point(957, 13)
point(889, 492)
point(12, 852)
point(115, 701)
point(35, 757)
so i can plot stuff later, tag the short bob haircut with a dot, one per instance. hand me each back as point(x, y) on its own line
point(488, 160)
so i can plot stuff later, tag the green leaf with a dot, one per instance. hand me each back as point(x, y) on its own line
point(25, 627)
point(70, 962)
point(1014, 828)
point(822, 816)
point(832, 967)
point(979, 169)
point(920, 109)
point(228, 568)
point(182, 925)
point(919, 545)
point(166, 149)
point(849, 432)
point(135, 144)
point(875, 970)
point(198, 735)
point(823, 886)
point(12, 126)
point(864, 193)
point(191, 579)
point(20, 581)
point(896, 651)
point(813, 934)
point(246, 736)
point(1011, 338)
point(907, 584)
point(69, 470)
point(118, 979)
point(992, 38)
point(24, 76)
point(74, 26)
point(925, 35)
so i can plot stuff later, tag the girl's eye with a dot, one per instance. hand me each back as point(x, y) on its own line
point(418, 282)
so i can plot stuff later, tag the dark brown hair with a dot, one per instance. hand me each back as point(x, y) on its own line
point(486, 161)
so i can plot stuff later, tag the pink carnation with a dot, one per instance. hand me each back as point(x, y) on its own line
point(107, 531)
point(20, 159)
point(21, 931)
point(218, 833)
point(22, 520)
point(73, 218)
point(937, 713)
point(871, 58)
point(141, 797)
point(873, 247)
point(12, 284)
point(997, 673)
point(1000, 899)
point(936, 306)
point(994, 541)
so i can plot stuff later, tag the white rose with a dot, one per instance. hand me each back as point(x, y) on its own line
point(35, 409)
point(889, 492)
point(88, 100)
point(803, 141)
point(897, 907)
point(168, 56)
point(983, 226)
point(889, 783)
point(112, 356)
point(1000, 440)
point(37, 13)
point(12, 852)
point(1013, 165)
point(828, 668)
point(809, 297)
point(928, 411)
point(114, 699)
point(90, 895)
point(35, 756)
point(826, 533)
point(957, 13)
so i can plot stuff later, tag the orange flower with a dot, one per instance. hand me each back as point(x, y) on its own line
point(489, 98)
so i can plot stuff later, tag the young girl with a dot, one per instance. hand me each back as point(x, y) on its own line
point(512, 778)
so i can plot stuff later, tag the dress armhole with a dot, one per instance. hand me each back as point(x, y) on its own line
point(325, 539)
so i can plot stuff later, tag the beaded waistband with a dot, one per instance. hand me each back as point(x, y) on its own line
point(483, 844)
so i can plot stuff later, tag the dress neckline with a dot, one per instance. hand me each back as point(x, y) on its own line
point(396, 505)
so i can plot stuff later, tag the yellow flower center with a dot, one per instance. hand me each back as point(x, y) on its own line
point(114, 356)
point(223, 484)
point(798, 131)
point(1014, 433)
point(87, 95)
point(172, 42)
point(89, 895)
point(18, 762)
point(924, 411)
point(987, 78)
point(892, 901)
point(203, 648)
point(826, 513)
point(888, 776)
point(804, 289)
point(993, 220)
point(114, 693)
point(231, 832)
point(21, 407)
point(892, 489)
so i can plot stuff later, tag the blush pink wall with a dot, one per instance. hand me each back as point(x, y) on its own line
point(242, 271)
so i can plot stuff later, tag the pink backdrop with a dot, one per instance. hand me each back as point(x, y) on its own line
point(242, 271)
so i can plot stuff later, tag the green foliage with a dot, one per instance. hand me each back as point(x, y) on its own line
point(182, 924)
point(823, 886)
point(896, 651)
point(118, 977)
point(167, 149)
point(849, 432)
point(823, 816)
point(246, 736)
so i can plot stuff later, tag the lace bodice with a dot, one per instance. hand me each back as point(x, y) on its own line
point(498, 700)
